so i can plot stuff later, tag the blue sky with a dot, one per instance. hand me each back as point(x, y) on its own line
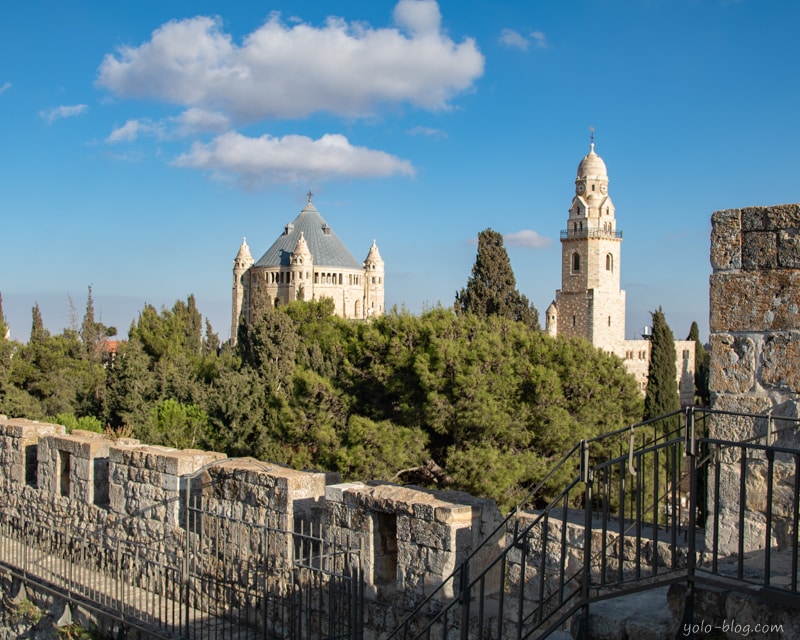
point(141, 141)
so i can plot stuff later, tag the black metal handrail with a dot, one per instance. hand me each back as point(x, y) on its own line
point(648, 505)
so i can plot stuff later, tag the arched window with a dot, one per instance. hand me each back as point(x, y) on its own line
point(576, 263)
point(609, 262)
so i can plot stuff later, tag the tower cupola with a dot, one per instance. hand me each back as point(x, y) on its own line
point(373, 259)
point(243, 260)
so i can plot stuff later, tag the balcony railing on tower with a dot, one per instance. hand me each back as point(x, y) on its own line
point(589, 233)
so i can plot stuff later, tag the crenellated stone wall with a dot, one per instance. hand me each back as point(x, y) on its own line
point(233, 515)
point(755, 358)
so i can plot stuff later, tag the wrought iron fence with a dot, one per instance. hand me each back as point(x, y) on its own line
point(623, 523)
point(216, 576)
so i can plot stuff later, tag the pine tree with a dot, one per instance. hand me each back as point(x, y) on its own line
point(701, 367)
point(492, 288)
point(662, 377)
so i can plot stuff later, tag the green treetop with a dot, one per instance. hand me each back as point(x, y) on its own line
point(492, 289)
point(662, 384)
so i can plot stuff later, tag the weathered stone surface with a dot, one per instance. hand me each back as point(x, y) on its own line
point(755, 301)
point(726, 231)
point(780, 364)
point(755, 356)
point(771, 218)
point(759, 250)
point(727, 427)
point(640, 615)
point(789, 248)
point(736, 363)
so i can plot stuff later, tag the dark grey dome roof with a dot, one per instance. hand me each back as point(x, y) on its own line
point(324, 244)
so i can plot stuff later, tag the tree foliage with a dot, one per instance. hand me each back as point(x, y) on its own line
point(702, 365)
point(492, 288)
point(662, 386)
point(484, 399)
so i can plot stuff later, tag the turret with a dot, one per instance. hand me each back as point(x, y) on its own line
point(240, 296)
point(301, 266)
point(551, 320)
point(373, 282)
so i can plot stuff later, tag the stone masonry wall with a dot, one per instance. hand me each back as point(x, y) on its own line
point(121, 497)
point(755, 354)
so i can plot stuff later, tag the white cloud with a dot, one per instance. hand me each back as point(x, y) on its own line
point(6, 86)
point(427, 131)
point(540, 39)
point(190, 122)
point(257, 161)
point(132, 129)
point(196, 120)
point(291, 71)
point(418, 16)
point(64, 111)
point(513, 39)
point(527, 238)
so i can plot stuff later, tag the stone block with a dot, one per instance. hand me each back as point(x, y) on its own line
point(780, 365)
point(734, 369)
point(755, 301)
point(170, 483)
point(17, 473)
point(759, 250)
point(771, 218)
point(789, 249)
point(721, 425)
point(431, 534)
point(454, 515)
point(726, 230)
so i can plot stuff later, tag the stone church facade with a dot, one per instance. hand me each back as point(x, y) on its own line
point(308, 261)
point(590, 303)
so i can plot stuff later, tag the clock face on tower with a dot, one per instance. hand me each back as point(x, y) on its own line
point(580, 187)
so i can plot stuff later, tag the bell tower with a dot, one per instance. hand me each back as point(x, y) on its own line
point(590, 303)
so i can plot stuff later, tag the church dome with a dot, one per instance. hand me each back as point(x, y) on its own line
point(592, 166)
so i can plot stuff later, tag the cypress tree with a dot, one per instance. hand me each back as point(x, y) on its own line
point(38, 332)
point(6, 349)
point(701, 367)
point(90, 331)
point(492, 288)
point(662, 384)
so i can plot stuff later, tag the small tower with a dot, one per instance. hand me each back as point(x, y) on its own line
point(301, 266)
point(590, 303)
point(241, 264)
point(551, 320)
point(373, 283)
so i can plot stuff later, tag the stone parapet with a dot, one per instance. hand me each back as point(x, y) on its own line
point(146, 480)
point(19, 440)
point(413, 538)
point(755, 351)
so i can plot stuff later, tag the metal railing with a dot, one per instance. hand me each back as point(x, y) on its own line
point(569, 234)
point(624, 523)
point(215, 576)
